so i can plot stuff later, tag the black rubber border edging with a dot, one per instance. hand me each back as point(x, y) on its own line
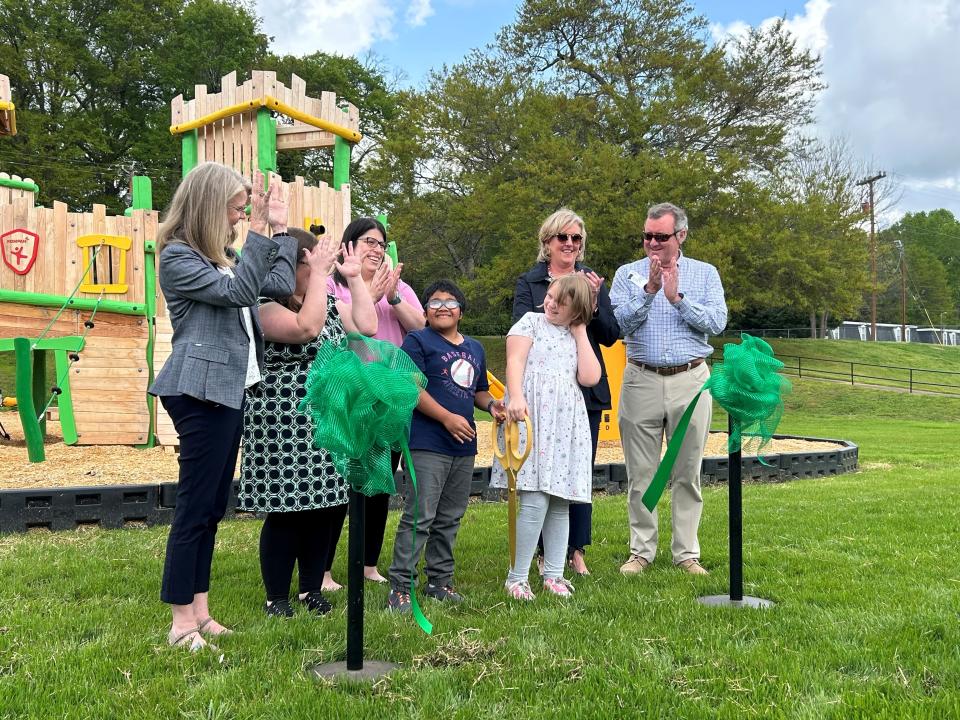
point(119, 506)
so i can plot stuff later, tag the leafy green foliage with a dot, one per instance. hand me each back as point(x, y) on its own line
point(931, 244)
point(362, 83)
point(608, 107)
point(92, 82)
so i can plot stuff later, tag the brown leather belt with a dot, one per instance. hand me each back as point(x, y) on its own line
point(670, 370)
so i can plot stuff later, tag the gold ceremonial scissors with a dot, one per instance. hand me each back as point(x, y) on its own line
point(512, 460)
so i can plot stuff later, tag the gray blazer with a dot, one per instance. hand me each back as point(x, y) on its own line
point(210, 342)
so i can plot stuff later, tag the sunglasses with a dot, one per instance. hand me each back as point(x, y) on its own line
point(448, 304)
point(659, 237)
point(575, 239)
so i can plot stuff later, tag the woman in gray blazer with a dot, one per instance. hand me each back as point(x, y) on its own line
point(211, 294)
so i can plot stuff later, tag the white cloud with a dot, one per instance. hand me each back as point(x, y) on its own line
point(807, 28)
point(418, 11)
point(345, 27)
point(892, 73)
point(891, 68)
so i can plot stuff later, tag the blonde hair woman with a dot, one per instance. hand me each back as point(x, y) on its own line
point(561, 244)
point(211, 295)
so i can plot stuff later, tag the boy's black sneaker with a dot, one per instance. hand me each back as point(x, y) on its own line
point(398, 601)
point(278, 608)
point(443, 593)
point(315, 602)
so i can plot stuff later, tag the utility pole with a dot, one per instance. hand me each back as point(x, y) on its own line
point(903, 290)
point(873, 254)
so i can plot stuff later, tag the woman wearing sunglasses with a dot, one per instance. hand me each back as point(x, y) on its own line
point(398, 312)
point(562, 241)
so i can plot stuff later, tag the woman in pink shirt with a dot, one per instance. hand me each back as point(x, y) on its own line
point(398, 312)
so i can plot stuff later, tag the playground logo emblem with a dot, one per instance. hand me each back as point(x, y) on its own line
point(19, 249)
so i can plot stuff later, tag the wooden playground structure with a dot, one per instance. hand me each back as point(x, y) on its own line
point(80, 288)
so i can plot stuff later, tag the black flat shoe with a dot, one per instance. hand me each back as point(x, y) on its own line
point(278, 608)
point(315, 602)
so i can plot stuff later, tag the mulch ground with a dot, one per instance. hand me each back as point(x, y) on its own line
point(82, 465)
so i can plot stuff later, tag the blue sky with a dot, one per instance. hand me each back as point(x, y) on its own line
point(891, 66)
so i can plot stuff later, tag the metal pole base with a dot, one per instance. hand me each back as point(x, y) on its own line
point(726, 601)
point(371, 670)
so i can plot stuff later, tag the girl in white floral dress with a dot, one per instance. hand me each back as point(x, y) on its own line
point(548, 358)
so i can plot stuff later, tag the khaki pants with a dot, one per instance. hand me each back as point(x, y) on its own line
point(651, 405)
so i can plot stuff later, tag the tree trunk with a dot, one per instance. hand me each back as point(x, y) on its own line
point(813, 324)
point(823, 324)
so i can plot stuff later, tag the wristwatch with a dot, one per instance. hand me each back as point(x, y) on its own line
point(395, 300)
point(490, 406)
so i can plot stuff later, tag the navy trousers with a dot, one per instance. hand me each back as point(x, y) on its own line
point(209, 443)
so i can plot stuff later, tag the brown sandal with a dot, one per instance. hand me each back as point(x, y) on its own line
point(196, 642)
point(203, 624)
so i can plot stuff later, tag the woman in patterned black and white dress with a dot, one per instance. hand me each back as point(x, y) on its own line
point(281, 473)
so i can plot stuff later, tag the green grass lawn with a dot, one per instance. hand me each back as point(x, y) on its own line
point(862, 568)
point(930, 367)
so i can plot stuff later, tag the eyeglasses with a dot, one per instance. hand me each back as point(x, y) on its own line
point(659, 237)
point(448, 304)
point(575, 239)
point(372, 242)
point(242, 209)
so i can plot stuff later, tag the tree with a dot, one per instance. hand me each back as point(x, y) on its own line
point(657, 81)
point(928, 288)
point(92, 81)
point(817, 190)
point(937, 232)
point(605, 107)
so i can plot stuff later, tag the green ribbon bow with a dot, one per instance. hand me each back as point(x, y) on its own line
point(747, 384)
point(360, 396)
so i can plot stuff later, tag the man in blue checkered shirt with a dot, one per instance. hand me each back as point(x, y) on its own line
point(667, 305)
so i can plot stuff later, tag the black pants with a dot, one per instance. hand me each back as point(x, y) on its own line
point(581, 514)
point(302, 538)
point(375, 523)
point(209, 442)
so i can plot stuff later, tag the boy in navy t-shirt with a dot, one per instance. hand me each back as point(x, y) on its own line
point(443, 444)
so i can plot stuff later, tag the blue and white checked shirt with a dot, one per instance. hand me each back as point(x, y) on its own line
point(658, 333)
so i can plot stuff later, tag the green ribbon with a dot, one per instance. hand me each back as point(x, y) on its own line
point(749, 387)
point(360, 396)
point(747, 384)
point(418, 615)
point(659, 483)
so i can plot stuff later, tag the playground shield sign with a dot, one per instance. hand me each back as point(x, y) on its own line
point(19, 250)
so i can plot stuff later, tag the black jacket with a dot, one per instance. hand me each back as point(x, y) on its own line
point(602, 330)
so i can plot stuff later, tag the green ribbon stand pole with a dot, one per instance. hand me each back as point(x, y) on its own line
point(747, 384)
point(360, 396)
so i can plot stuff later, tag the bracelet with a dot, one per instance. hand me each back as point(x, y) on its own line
point(395, 300)
point(490, 406)
point(280, 235)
